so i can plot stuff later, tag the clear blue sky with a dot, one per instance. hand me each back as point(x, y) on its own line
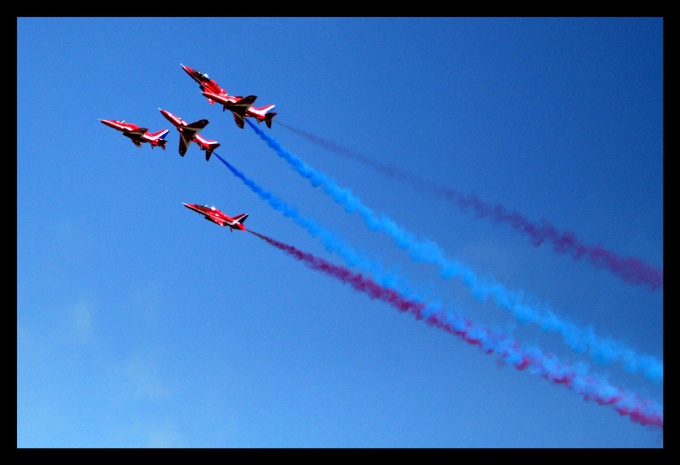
point(139, 324)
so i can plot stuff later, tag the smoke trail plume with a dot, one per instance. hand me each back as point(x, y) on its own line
point(642, 411)
point(580, 340)
point(331, 241)
point(630, 269)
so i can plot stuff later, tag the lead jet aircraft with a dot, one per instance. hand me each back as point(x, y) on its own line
point(204, 82)
point(242, 107)
point(216, 216)
point(188, 133)
point(138, 135)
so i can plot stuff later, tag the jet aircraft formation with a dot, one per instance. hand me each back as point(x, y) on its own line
point(241, 107)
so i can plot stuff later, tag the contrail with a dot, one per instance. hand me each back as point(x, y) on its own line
point(630, 269)
point(642, 411)
point(580, 340)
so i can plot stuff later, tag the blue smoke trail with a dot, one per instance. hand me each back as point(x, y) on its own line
point(576, 377)
point(602, 350)
point(331, 241)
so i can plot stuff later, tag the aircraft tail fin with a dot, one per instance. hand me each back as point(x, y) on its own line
point(158, 138)
point(241, 218)
point(158, 135)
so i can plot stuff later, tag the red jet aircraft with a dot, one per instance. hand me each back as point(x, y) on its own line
point(204, 82)
point(242, 107)
point(216, 216)
point(189, 133)
point(138, 135)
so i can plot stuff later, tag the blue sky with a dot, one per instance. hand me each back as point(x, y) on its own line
point(139, 324)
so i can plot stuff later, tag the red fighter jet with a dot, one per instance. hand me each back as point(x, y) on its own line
point(204, 82)
point(138, 135)
point(216, 216)
point(188, 133)
point(242, 107)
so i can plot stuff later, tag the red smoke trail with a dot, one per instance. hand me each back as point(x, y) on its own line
point(641, 411)
point(629, 269)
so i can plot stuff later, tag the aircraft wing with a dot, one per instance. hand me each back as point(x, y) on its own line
point(242, 105)
point(194, 128)
point(188, 133)
point(136, 135)
point(183, 143)
point(215, 220)
point(240, 108)
point(239, 119)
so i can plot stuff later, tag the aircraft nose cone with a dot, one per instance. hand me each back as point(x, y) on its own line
point(169, 116)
